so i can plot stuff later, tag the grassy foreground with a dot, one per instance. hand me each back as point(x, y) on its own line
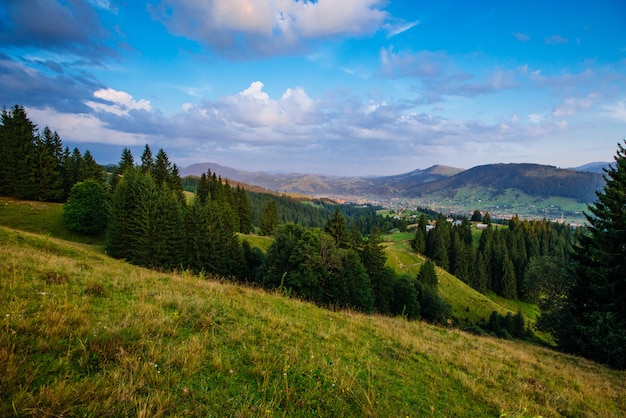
point(85, 335)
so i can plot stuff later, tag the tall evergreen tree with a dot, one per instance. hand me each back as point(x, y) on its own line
point(147, 161)
point(269, 220)
point(337, 227)
point(382, 277)
point(127, 161)
point(18, 154)
point(90, 169)
point(49, 177)
point(593, 322)
point(162, 168)
point(202, 192)
point(243, 210)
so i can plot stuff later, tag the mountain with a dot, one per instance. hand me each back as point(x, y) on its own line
point(532, 179)
point(315, 184)
point(595, 167)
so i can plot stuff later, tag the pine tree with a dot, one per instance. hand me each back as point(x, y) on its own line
point(90, 169)
point(161, 168)
point(427, 275)
point(509, 284)
point(202, 191)
point(49, 176)
point(337, 227)
point(18, 154)
point(147, 162)
point(243, 210)
point(126, 210)
point(593, 322)
point(381, 276)
point(127, 161)
point(269, 220)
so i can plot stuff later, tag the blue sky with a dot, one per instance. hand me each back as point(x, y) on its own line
point(351, 87)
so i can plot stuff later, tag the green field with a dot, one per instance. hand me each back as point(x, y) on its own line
point(86, 335)
point(504, 204)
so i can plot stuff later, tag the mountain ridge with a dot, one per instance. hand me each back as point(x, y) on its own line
point(532, 179)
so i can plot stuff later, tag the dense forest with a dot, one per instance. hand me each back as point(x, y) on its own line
point(331, 254)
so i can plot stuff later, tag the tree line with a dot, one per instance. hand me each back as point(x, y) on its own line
point(151, 224)
point(34, 165)
point(500, 260)
point(578, 278)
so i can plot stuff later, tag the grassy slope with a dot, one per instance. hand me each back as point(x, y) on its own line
point(86, 335)
point(467, 304)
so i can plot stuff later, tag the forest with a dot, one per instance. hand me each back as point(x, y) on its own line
point(331, 254)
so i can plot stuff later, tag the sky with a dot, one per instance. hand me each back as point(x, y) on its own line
point(349, 88)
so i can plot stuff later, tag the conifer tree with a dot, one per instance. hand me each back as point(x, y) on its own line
point(147, 161)
point(18, 154)
point(161, 168)
point(90, 169)
point(269, 219)
point(337, 227)
point(593, 322)
point(127, 161)
point(49, 178)
point(509, 284)
point(243, 210)
point(202, 191)
point(381, 276)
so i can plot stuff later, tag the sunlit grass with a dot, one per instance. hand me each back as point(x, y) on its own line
point(85, 335)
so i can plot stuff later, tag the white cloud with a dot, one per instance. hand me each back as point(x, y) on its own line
point(616, 110)
point(249, 28)
point(573, 105)
point(394, 29)
point(84, 128)
point(117, 102)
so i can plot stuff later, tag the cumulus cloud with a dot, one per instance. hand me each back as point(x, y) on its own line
point(250, 28)
point(117, 102)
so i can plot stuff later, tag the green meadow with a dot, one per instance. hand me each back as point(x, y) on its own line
point(87, 335)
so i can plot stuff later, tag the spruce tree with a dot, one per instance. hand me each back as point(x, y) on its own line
point(90, 169)
point(382, 277)
point(593, 323)
point(18, 154)
point(269, 219)
point(337, 227)
point(147, 161)
point(49, 178)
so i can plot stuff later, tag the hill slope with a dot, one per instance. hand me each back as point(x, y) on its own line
point(532, 179)
point(87, 335)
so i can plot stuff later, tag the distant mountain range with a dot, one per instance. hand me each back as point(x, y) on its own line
point(579, 183)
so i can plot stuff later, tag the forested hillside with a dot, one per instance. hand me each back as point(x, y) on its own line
point(532, 179)
point(333, 255)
